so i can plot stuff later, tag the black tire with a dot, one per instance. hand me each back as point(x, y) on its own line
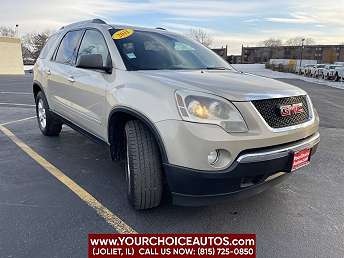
point(143, 167)
point(53, 125)
point(336, 77)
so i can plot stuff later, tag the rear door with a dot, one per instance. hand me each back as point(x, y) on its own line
point(42, 65)
point(61, 74)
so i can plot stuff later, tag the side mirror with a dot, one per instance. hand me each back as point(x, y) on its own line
point(93, 61)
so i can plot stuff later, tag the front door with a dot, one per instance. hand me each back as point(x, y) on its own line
point(87, 93)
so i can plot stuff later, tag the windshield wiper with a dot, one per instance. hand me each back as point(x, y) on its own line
point(217, 68)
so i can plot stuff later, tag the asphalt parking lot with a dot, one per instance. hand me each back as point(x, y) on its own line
point(41, 217)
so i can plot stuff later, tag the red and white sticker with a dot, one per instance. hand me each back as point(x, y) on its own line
point(301, 159)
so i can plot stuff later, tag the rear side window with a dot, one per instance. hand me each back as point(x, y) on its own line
point(93, 42)
point(48, 45)
point(67, 52)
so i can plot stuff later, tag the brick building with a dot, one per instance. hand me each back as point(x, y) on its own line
point(321, 53)
point(234, 59)
point(221, 52)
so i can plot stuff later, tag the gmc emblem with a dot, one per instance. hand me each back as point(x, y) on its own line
point(288, 110)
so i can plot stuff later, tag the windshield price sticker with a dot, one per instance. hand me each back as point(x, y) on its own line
point(172, 245)
point(122, 34)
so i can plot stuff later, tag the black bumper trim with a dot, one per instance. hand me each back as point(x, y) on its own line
point(200, 200)
point(239, 180)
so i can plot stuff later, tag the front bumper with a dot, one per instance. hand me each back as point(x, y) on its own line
point(251, 173)
point(188, 144)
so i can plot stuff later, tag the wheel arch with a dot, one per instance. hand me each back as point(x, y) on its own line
point(36, 87)
point(116, 134)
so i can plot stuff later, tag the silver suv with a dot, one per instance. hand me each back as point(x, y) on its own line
point(181, 117)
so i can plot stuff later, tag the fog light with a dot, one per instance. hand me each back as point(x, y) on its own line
point(213, 157)
point(219, 158)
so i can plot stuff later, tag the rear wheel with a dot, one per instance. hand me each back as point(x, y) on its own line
point(48, 123)
point(143, 167)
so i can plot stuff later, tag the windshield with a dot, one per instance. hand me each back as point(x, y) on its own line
point(146, 50)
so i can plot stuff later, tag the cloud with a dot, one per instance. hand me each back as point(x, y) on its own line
point(37, 14)
point(187, 19)
point(252, 20)
point(229, 21)
point(328, 12)
point(184, 28)
point(194, 8)
point(296, 18)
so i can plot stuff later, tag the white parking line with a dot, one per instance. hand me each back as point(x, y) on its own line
point(17, 104)
point(15, 92)
point(19, 120)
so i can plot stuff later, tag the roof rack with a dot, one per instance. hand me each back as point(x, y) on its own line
point(99, 21)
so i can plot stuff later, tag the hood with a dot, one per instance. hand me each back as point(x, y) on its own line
point(232, 85)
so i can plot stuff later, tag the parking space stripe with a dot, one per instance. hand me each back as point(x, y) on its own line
point(19, 120)
point(16, 93)
point(17, 104)
point(119, 225)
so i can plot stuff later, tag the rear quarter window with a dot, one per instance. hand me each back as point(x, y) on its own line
point(51, 42)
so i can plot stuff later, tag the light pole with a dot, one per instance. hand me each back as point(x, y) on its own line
point(302, 41)
point(17, 31)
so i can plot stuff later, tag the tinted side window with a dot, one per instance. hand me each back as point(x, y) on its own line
point(68, 49)
point(93, 43)
point(48, 45)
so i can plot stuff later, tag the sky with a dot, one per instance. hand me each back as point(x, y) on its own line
point(231, 23)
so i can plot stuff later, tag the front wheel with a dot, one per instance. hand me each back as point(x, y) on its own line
point(143, 167)
point(47, 122)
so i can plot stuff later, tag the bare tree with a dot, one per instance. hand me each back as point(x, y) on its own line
point(7, 31)
point(271, 43)
point(32, 44)
point(201, 36)
point(297, 41)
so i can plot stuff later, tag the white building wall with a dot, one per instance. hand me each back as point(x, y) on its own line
point(11, 60)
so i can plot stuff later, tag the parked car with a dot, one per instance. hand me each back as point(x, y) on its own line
point(303, 69)
point(317, 71)
point(308, 70)
point(330, 72)
point(180, 116)
point(338, 73)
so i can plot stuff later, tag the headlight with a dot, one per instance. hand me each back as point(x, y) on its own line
point(210, 109)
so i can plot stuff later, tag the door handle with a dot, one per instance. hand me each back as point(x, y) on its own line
point(48, 72)
point(71, 79)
